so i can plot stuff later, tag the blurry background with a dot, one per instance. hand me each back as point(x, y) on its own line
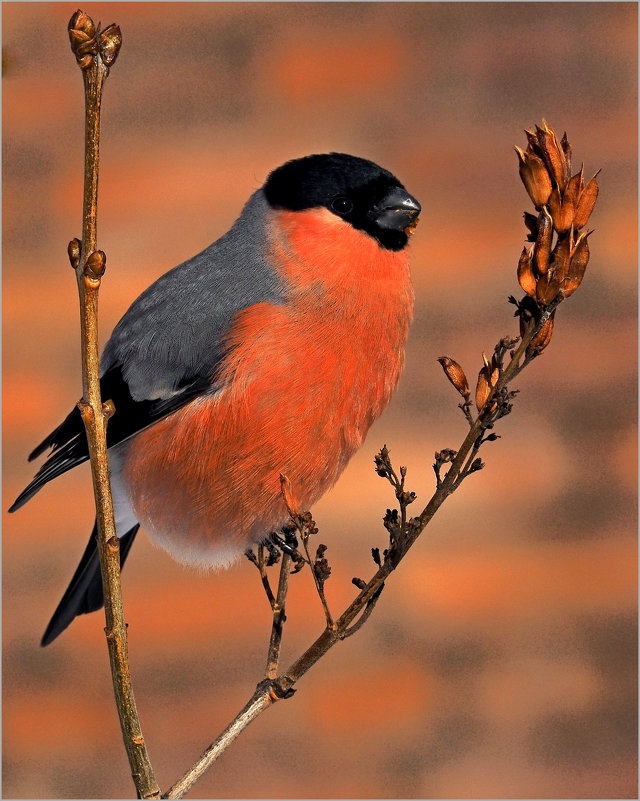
point(501, 661)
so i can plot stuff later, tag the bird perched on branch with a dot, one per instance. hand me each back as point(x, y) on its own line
point(270, 352)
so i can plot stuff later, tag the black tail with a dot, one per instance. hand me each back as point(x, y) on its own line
point(84, 594)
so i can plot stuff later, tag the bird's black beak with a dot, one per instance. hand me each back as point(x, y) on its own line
point(397, 211)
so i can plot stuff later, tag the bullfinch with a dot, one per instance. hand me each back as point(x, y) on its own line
point(272, 351)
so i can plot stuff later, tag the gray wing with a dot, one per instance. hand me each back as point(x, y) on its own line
point(166, 349)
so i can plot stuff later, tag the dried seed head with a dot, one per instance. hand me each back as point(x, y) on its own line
point(542, 249)
point(553, 154)
point(547, 288)
point(535, 177)
point(542, 338)
point(561, 255)
point(487, 379)
point(577, 265)
point(455, 374)
point(562, 209)
point(586, 202)
point(526, 278)
point(533, 146)
point(482, 389)
point(574, 187)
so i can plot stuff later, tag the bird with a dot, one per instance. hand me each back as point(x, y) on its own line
point(270, 352)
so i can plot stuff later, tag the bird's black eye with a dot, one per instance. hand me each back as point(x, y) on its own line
point(341, 205)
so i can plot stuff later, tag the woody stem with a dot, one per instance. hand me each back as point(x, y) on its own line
point(95, 416)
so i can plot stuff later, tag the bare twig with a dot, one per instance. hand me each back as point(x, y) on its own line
point(95, 51)
point(279, 617)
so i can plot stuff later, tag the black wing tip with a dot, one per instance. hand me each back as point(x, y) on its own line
point(50, 635)
point(29, 491)
point(20, 500)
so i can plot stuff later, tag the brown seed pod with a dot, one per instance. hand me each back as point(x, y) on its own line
point(547, 288)
point(455, 374)
point(535, 177)
point(526, 277)
point(553, 155)
point(586, 202)
point(542, 249)
point(487, 379)
point(482, 389)
point(577, 266)
point(543, 337)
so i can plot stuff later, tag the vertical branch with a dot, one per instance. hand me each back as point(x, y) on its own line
point(279, 617)
point(95, 51)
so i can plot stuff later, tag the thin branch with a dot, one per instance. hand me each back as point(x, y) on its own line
point(320, 572)
point(279, 617)
point(96, 51)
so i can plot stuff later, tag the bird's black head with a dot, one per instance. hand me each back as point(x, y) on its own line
point(354, 189)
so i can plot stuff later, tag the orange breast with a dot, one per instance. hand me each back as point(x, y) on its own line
point(303, 383)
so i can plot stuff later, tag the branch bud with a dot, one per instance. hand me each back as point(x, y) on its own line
point(95, 265)
point(73, 249)
point(82, 36)
point(110, 43)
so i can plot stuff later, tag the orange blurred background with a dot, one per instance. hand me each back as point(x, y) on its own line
point(501, 660)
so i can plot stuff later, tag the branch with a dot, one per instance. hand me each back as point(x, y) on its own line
point(95, 51)
point(279, 618)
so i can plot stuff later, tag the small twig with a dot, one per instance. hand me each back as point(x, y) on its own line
point(320, 572)
point(279, 617)
point(95, 51)
point(364, 616)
